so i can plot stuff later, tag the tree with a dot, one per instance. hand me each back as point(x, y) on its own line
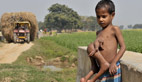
point(89, 23)
point(121, 27)
point(41, 25)
point(136, 26)
point(61, 17)
point(130, 26)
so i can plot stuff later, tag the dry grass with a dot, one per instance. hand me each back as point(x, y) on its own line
point(8, 19)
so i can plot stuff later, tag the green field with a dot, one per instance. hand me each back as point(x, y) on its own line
point(63, 46)
point(133, 39)
point(73, 40)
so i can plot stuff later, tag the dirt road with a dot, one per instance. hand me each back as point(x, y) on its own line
point(10, 52)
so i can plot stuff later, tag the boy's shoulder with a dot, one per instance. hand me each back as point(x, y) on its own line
point(116, 28)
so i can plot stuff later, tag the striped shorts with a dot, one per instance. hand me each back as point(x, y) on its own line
point(106, 77)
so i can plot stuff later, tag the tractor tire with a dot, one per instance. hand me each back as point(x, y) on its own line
point(28, 38)
point(15, 38)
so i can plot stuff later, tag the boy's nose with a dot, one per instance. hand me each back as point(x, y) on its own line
point(101, 19)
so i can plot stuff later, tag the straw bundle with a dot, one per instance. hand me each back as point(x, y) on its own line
point(7, 24)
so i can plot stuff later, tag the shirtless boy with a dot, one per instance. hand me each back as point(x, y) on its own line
point(103, 52)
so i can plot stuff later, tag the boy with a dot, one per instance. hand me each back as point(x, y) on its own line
point(103, 52)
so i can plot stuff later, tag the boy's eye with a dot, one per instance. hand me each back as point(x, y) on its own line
point(98, 17)
point(103, 16)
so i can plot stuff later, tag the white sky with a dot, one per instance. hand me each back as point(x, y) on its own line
point(127, 11)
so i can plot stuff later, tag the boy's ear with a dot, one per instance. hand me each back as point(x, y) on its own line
point(113, 14)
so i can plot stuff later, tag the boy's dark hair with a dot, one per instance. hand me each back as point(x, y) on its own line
point(106, 4)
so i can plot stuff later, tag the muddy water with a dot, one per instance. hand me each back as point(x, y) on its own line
point(52, 68)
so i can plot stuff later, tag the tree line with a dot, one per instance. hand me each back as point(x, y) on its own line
point(61, 17)
point(136, 26)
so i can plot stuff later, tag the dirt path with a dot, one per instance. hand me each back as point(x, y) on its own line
point(10, 52)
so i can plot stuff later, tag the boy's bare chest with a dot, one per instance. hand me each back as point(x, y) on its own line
point(106, 35)
point(109, 40)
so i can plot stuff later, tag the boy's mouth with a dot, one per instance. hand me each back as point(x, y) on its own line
point(102, 24)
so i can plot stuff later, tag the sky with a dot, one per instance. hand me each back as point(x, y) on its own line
point(128, 12)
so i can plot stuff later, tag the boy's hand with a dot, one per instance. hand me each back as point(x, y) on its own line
point(112, 69)
point(90, 81)
point(92, 53)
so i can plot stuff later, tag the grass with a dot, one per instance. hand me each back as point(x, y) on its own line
point(63, 46)
point(46, 49)
point(132, 38)
point(23, 71)
point(72, 41)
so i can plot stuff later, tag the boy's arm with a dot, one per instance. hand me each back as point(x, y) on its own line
point(120, 53)
point(121, 44)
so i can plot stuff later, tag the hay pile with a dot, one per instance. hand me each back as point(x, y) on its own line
point(7, 24)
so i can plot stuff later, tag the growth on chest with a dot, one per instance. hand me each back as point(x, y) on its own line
point(106, 36)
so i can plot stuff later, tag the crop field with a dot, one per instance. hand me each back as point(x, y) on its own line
point(132, 38)
point(73, 40)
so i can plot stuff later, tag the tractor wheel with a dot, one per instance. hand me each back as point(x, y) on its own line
point(28, 38)
point(15, 37)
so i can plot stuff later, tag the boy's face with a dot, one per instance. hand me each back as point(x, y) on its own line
point(104, 18)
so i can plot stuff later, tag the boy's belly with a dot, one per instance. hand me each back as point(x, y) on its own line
point(108, 56)
point(109, 51)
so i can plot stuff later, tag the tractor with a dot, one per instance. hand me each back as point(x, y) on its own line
point(21, 31)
